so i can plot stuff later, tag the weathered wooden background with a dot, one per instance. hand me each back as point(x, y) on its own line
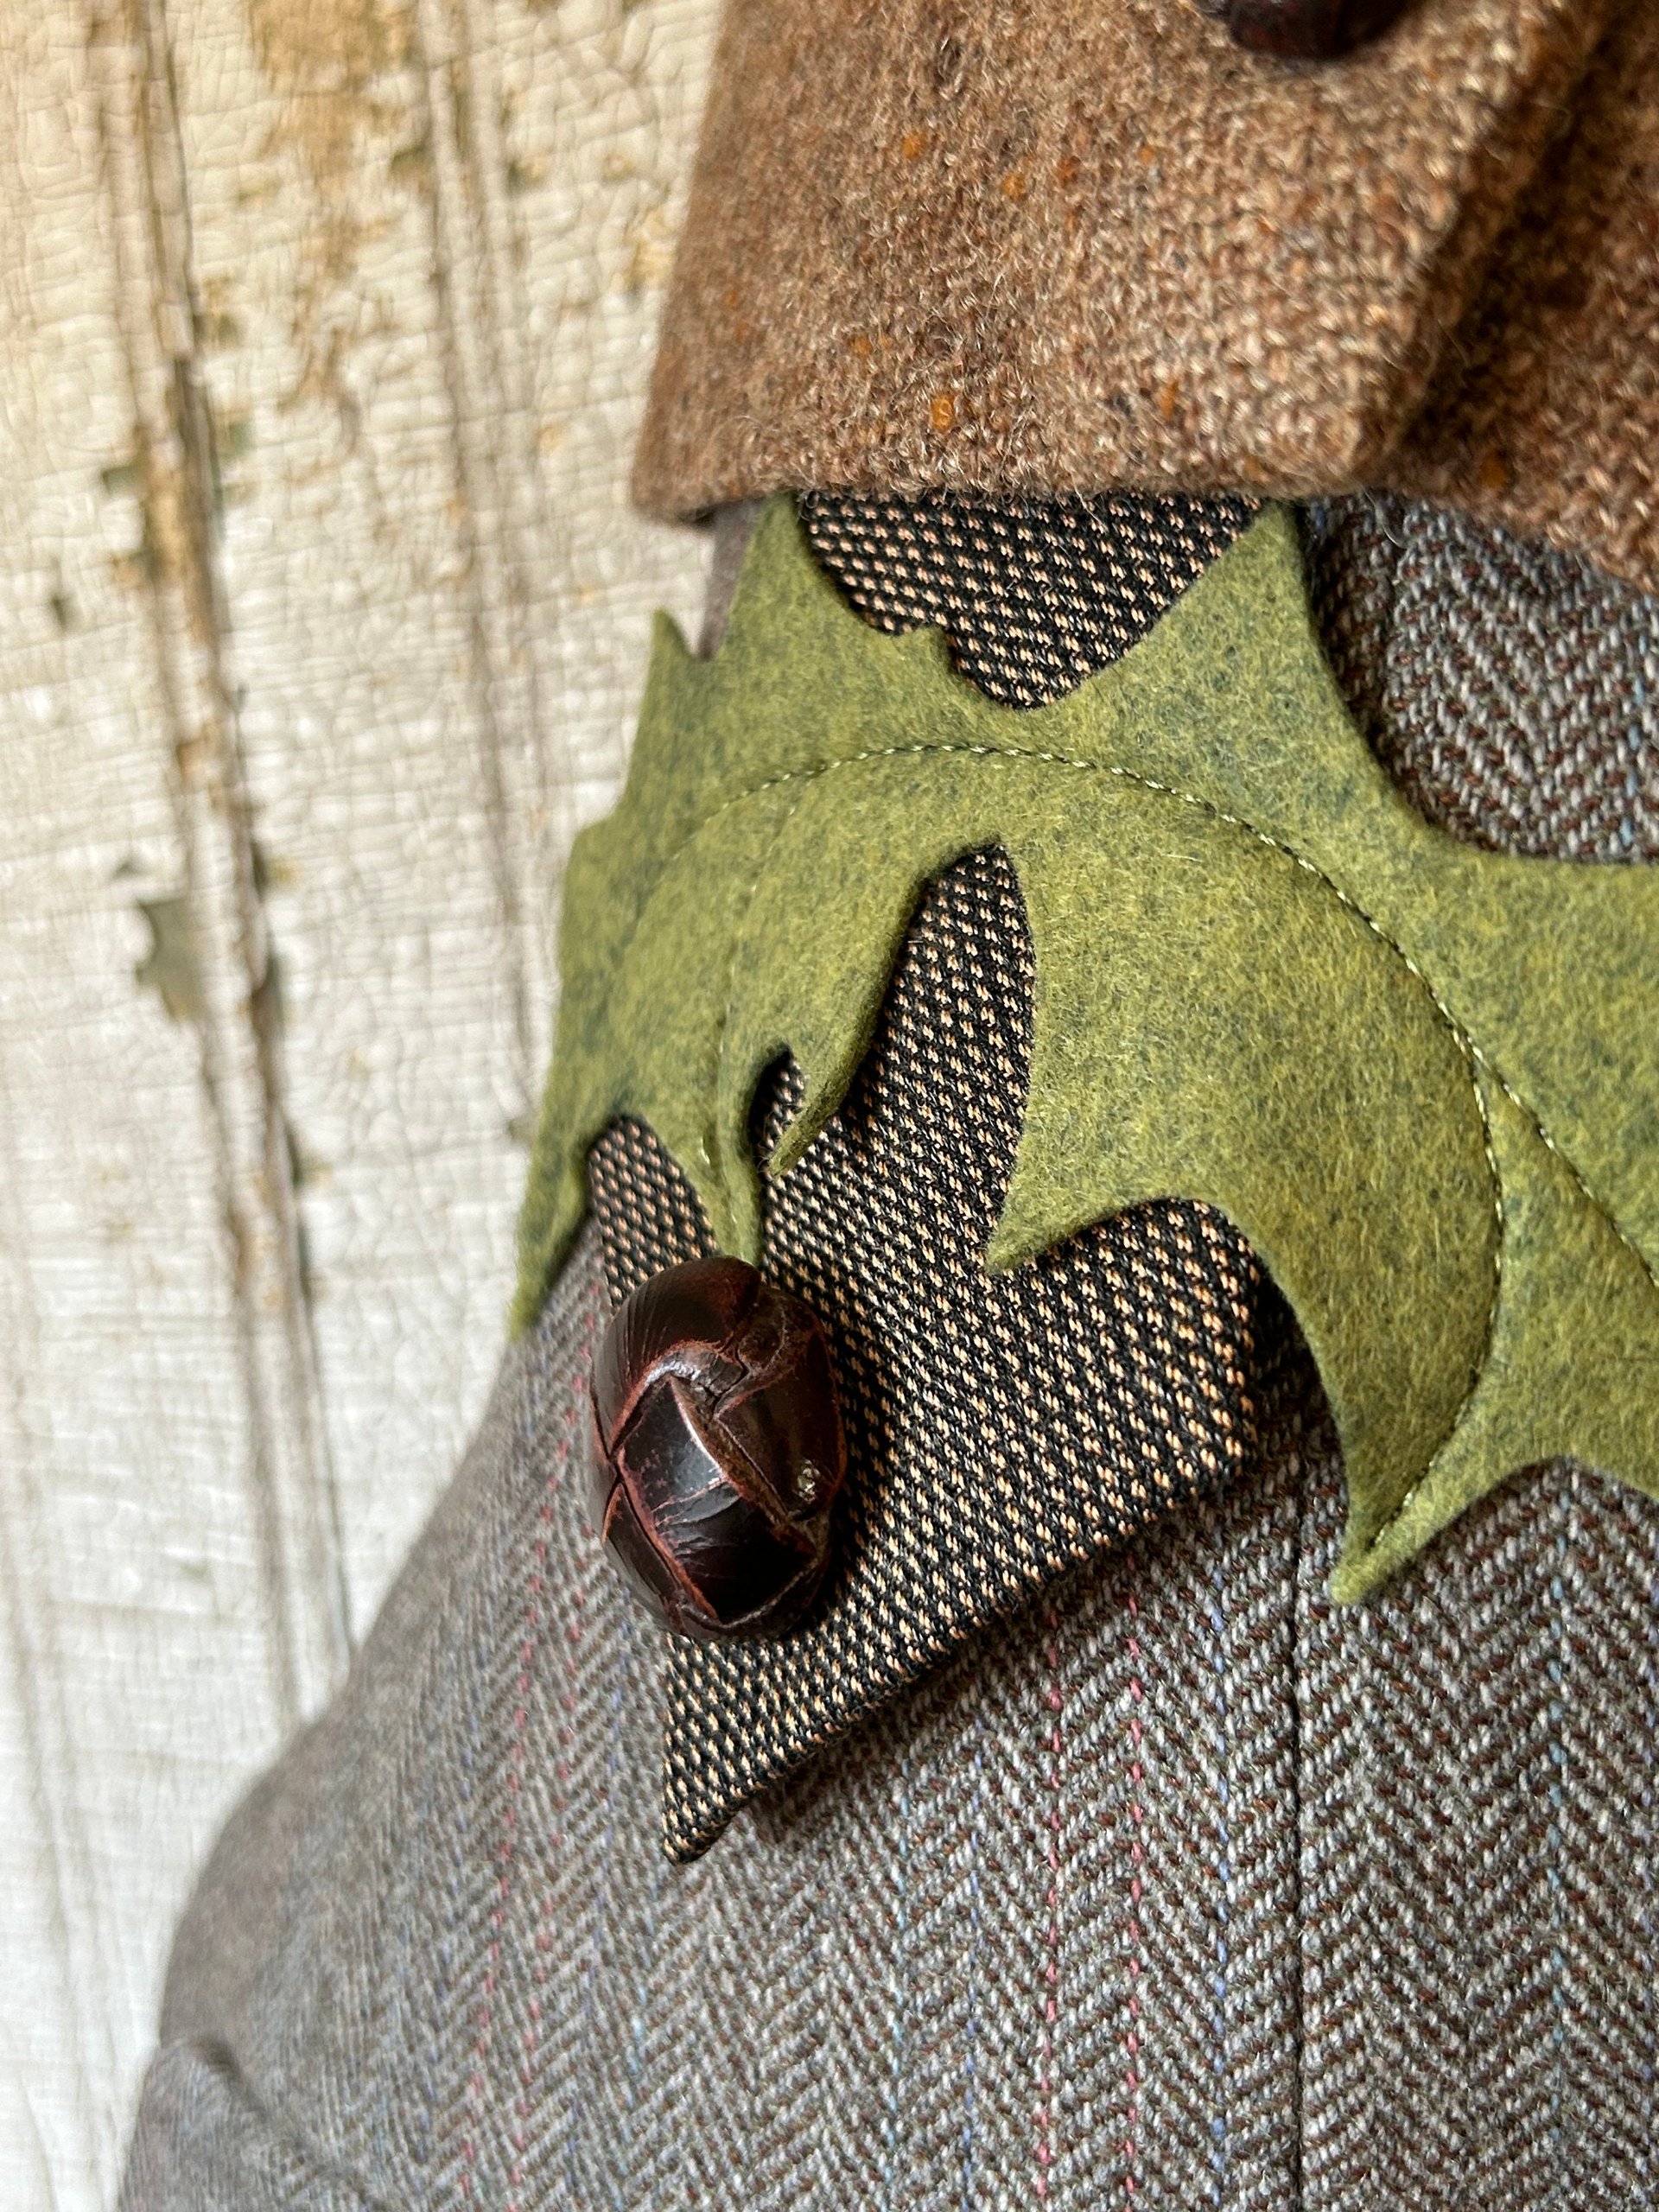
point(322, 620)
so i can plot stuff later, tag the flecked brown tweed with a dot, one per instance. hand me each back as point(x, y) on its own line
point(1543, 410)
point(1028, 251)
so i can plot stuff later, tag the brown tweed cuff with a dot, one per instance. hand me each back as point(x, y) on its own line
point(1029, 251)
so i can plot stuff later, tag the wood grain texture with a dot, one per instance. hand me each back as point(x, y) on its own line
point(323, 622)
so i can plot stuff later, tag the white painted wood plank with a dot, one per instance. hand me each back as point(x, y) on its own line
point(219, 929)
point(139, 1682)
point(441, 607)
point(413, 300)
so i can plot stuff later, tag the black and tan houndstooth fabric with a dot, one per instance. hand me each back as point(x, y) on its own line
point(1178, 1888)
point(1035, 595)
point(998, 1430)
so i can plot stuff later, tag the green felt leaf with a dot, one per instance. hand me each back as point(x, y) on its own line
point(1421, 1078)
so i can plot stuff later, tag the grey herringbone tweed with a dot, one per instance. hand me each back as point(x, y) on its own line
point(1185, 1889)
point(1182, 1888)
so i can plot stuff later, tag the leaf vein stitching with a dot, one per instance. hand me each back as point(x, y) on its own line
point(1463, 1041)
point(738, 935)
point(1474, 1058)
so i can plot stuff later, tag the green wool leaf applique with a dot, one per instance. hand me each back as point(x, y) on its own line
point(1421, 1078)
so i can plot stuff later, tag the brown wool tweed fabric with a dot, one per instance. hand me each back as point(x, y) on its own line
point(1543, 410)
point(1023, 251)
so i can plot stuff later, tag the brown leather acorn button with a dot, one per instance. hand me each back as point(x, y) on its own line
point(717, 1448)
point(1306, 30)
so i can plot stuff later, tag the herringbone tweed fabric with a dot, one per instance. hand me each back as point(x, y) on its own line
point(1513, 692)
point(202, 2142)
point(1478, 1870)
point(1180, 1887)
point(1183, 1889)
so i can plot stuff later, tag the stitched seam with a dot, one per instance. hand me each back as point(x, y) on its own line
point(1472, 1056)
point(737, 936)
point(1462, 1042)
point(1549, 1143)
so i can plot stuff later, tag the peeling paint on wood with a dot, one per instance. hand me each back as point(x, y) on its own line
point(172, 967)
point(288, 1471)
point(322, 625)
